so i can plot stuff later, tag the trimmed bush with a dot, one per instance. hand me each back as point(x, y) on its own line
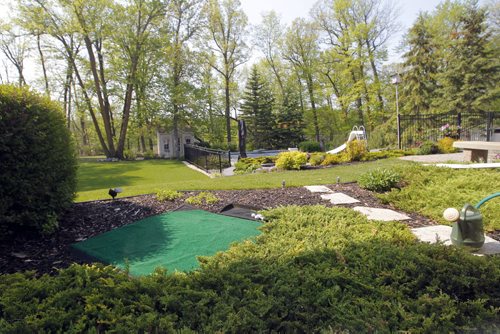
point(167, 195)
point(316, 159)
point(248, 165)
point(202, 198)
point(335, 159)
point(428, 147)
point(309, 146)
point(356, 149)
point(37, 162)
point(291, 160)
point(445, 145)
point(379, 180)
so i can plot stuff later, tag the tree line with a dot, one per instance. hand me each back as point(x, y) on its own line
point(122, 69)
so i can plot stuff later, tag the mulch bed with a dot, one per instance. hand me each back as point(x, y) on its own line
point(88, 219)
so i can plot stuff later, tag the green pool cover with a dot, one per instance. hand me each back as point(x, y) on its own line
point(171, 240)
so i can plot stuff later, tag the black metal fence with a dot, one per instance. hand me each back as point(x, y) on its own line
point(206, 158)
point(476, 126)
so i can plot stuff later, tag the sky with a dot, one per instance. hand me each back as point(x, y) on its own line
point(291, 9)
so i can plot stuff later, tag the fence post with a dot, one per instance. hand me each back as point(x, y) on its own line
point(459, 124)
point(489, 123)
point(220, 162)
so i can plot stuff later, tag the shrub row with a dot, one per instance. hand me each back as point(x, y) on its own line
point(248, 165)
point(312, 269)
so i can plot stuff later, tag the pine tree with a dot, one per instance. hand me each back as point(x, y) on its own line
point(420, 69)
point(257, 111)
point(290, 126)
point(469, 81)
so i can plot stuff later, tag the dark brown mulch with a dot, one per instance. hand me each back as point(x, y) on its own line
point(84, 220)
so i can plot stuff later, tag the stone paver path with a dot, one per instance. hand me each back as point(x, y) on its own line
point(432, 234)
point(319, 189)
point(339, 198)
point(381, 214)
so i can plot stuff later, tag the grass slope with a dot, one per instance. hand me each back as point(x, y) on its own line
point(144, 177)
point(430, 190)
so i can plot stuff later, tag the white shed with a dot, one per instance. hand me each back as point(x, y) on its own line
point(167, 143)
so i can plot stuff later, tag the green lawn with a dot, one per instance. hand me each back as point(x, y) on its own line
point(144, 177)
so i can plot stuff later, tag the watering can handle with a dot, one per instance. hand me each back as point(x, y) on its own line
point(484, 200)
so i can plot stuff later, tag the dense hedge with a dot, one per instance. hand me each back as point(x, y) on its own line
point(312, 269)
point(37, 162)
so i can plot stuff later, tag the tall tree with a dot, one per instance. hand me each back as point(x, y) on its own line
point(419, 78)
point(302, 52)
point(113, 36)
point(268, 38)
point(226, 28)
point(470, 80)
point(257, 111)
point(15, 47)
point(184, 21)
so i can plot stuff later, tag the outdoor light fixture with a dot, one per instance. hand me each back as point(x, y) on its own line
point(396, 80)
point(113, 192)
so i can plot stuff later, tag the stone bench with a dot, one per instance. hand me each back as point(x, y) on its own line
point(478, 150)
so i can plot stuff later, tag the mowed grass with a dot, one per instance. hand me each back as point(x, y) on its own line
point(148, 176)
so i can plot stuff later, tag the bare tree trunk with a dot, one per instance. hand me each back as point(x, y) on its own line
point(310, 88)
point(227, 111)
point(42, 60)
point(104, 111)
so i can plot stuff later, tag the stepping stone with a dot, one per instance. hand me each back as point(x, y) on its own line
point(381, 214)
point(339, 198)
point(319, 189)
point(432, 234)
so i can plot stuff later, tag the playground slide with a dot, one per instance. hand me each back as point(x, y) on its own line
point(353, 135)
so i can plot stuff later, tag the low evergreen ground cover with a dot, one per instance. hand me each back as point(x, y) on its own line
point(430, 190)
point(312, 269)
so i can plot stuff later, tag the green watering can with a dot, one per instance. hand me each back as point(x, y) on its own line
point(467, 229)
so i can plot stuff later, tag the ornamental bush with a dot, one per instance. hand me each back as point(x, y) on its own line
point(309, 146)
point(356, 149)
point(379, 180)
point(445, 145)
point(291, 160)
point(37, 162)
point(167, 195)
point(428, 147)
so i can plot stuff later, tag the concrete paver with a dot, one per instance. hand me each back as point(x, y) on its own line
point(381, 214)
point(432, 234)
point(339, 198)
point(319, 189)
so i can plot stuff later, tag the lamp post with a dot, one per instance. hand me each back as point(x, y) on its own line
point(396, 80)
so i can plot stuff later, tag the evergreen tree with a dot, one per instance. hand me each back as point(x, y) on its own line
point(421, 68)
point(290, 126)
point(469, 81)
point(257, 110)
